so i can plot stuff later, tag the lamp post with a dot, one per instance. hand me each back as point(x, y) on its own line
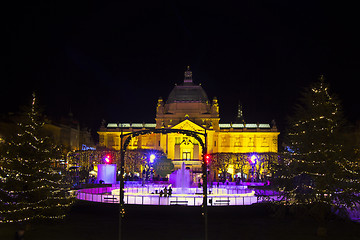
point(253, 161)
point(151, 167)
point(205, 212)
point(124, 145)
point(121, 187)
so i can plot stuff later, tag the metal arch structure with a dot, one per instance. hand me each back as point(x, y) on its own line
point(123, 147)
point(165, 131)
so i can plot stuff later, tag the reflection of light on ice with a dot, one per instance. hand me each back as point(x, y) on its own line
point(116, 192)
point(150, 195)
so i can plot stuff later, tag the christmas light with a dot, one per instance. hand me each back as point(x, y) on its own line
point(321, 166)
point(29, 188)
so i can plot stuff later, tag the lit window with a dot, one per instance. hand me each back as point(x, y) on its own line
point(186, 156)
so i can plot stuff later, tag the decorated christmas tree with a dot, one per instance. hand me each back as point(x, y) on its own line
point(30, 188)
point(320, 165)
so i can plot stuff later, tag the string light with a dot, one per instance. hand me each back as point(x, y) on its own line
point(29, 188)
point(316, 166)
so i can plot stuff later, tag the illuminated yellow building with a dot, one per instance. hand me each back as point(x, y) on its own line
point(188, 107)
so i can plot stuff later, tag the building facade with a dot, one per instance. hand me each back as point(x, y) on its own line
point(66, 132)
point(189, 108)
point(69, 135)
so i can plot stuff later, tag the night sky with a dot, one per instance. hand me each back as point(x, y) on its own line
point(113, 60)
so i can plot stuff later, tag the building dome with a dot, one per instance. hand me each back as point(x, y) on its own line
point(188, 91)
point(187, 94)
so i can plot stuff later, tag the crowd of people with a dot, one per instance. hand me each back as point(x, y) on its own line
point(166, 192)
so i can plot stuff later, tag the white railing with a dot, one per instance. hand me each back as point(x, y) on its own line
point(143, 197)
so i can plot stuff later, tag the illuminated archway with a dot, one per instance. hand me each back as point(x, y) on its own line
point(196, 135)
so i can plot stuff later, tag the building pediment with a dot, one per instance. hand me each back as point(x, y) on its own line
point(188, 125)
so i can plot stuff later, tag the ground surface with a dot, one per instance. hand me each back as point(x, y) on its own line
point(94, 221)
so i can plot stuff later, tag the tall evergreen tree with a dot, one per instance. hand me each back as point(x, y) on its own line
point(30, 188)
point(319, 166)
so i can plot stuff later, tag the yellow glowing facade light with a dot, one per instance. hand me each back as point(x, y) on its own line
point(188, 108)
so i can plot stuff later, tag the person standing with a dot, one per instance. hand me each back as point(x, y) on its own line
point(165, 192)
point(170, 191)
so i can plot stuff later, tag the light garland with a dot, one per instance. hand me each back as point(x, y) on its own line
point(34, 208)
point(29, 188)
point(32, 218)
point(316, 165)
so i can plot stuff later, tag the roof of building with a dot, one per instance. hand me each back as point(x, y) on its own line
point(221, 125)
point(240, 125)
point(188, 91)
point(131, 125)
point(194, 93)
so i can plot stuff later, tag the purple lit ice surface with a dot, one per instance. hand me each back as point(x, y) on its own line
point(182, 192)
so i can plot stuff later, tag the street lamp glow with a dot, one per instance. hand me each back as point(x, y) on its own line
point(253, 159)
point(152, 158)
